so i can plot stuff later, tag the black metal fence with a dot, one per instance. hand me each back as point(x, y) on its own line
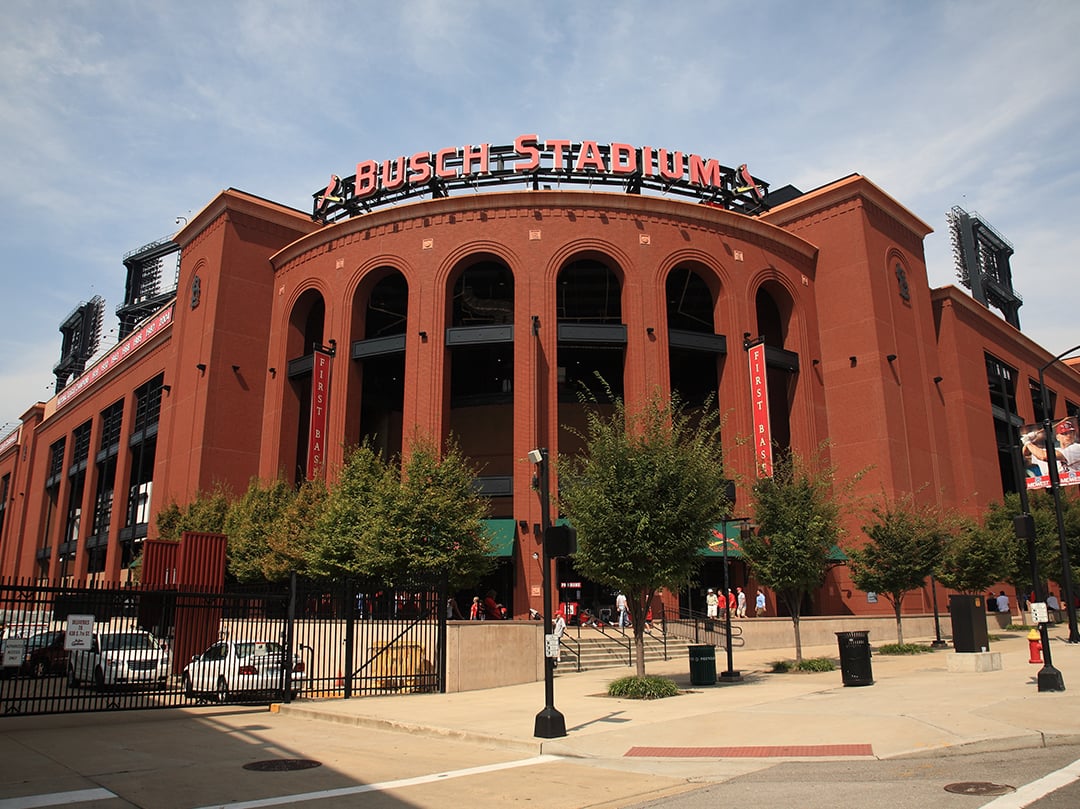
point(86, 648)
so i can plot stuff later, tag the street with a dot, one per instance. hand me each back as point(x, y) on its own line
point(193, 758)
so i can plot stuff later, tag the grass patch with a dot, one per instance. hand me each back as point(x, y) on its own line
point(647, 687)
point(903, 649)
point(809, 664)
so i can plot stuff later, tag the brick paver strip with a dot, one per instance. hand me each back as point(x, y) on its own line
point(756, 751)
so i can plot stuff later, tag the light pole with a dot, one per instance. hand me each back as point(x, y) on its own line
point(549, 724)
point(1049, 678)
point(937, 643)
point(1055, 491)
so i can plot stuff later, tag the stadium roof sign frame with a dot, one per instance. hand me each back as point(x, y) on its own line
point(541, 164)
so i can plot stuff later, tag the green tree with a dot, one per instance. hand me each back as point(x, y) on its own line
point(906, 540)
point(269, 529)
point(798, 523)
point(973, 559)
point(206, 512)
point(643, 498)
point(397, 523)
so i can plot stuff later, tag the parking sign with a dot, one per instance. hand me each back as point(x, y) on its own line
point(80, 632)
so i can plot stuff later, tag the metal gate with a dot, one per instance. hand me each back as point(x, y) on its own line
point(74, 649)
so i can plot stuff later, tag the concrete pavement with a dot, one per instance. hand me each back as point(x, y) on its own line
point(916, 706)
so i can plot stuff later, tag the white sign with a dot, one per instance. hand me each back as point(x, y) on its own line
point(14, 651)
point(1039, 614)
point(551, 645)
point(80, 632)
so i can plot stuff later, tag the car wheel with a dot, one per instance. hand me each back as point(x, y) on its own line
point(222, 690)
point(99, 679)
point(189, 689)
point(73, 681)
point(39, 669)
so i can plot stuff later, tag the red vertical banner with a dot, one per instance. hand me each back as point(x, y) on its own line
point(759, 404)
point(320, 396)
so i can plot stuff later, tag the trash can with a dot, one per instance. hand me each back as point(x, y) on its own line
point(702, 665)
point(855, 658)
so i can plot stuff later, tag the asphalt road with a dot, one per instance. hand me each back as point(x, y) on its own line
point(193, 758)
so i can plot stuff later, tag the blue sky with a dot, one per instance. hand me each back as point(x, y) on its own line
point(121, 115)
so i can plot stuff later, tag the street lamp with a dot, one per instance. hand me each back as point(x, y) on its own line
point(1049, 678)
point(1055, 490)
point(549, 724)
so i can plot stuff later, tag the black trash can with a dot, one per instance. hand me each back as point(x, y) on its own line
point(702, 665)
point(855, 658)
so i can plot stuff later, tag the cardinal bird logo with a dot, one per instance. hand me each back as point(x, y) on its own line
point(748, 184)
point(332, 192)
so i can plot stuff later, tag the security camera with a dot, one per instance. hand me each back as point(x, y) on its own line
point(536, 456)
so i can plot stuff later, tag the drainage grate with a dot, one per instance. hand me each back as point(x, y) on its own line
point(282, 764)
point(979, 788)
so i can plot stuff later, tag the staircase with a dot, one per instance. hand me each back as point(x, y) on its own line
point(593, 649)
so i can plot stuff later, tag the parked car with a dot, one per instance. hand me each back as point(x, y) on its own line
point(45, 655)
point(30, 635)
point(131, 657)
point(240, 667)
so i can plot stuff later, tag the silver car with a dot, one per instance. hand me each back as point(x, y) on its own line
point(231, 668)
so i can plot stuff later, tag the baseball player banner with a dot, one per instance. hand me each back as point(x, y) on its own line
point(1035, 449)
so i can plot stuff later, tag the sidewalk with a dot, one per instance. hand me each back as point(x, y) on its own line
point(915, 707)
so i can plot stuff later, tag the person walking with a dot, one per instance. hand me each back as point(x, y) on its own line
point(740, 603)
point(759, 604)
point(710, 604)
point(732, 603)
point(624, 613)
point(557, 630)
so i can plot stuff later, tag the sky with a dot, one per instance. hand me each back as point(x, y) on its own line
point(120, 117)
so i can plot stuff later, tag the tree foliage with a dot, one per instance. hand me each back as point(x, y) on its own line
point(398, 523)
point(206, 512)
point(906, 540)
point(974, 558)
point(798, 522)
point(643, 498)
point(269, 529)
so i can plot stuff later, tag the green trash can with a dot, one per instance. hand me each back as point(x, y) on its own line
point(702, 665)
point(855, 658)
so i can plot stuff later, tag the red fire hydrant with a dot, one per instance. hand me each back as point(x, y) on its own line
point(1034, 647)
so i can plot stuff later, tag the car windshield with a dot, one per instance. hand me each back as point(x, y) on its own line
point(257, 649)
point(131, 641)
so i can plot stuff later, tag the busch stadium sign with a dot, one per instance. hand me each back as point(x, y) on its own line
point(543, 164)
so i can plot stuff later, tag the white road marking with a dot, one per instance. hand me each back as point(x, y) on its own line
point(1029, 793)
point(57, 798)
point(380, 787)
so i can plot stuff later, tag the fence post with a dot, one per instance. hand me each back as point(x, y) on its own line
point(440, 642)
point(351, 613)
point(290, 638)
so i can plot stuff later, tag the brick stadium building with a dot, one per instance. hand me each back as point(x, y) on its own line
point(501, 279)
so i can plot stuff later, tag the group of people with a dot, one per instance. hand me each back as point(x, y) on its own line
point(718, 605)
point(481, 609)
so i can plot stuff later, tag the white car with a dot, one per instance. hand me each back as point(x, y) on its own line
point(230, 667)
point(133, 657)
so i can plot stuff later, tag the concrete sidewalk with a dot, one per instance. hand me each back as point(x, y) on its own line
point(916, 706)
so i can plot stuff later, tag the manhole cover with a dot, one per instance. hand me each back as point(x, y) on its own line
point(979, 788)
point(282, 764)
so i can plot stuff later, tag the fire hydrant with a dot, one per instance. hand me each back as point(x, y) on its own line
point(1034, 647)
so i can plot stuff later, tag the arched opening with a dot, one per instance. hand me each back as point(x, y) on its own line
point(773, 307)
point(695, 351)
point(306, 324)
point(377, 362)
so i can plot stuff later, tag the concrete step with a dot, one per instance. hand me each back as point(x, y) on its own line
point(609, 650)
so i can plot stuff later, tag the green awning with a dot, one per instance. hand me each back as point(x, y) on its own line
point(501, 532)
point(734, 543)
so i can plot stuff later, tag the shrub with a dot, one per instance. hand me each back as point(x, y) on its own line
point(647, 687)
point(816, 664)
point(903, 649)
point(781, 666)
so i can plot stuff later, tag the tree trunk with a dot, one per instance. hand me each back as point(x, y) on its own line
point(899, 623)
point(798, 637)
